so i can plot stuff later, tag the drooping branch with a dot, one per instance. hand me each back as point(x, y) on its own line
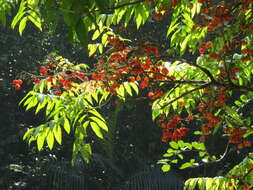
point(185, 94)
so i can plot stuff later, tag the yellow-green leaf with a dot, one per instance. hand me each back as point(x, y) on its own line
point(95, 113)
point(96, 129)
point(58, 134)
point(128, 88)
point(40, 141)
point(100, 123)
point(66, 125)
point(50, 140)
point(166, 168)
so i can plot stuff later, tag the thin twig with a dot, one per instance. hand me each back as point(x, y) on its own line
point(186, 93)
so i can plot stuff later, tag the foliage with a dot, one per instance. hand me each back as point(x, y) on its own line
point(196, 81)
point(240, 177)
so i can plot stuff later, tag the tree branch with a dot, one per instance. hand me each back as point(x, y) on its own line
point(186, 93)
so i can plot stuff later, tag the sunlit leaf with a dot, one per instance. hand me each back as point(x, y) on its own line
point(96, 129)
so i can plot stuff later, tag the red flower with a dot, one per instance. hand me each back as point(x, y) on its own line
point(247, 187)
point(201, 107)
point(36, 81)
point(85, 78)
point(81, 75)
point(157, 16)
point(138, 78)
point(206, 90)
point(190, 117)
point(50, 79)
point(43, 70)
point(67, 83)
point(165, 71)
point(132, 78)
point(58, 93)
point(204, 47)
point(181, 104)
point(17, 86)
point(17, 82)
point(144, 84)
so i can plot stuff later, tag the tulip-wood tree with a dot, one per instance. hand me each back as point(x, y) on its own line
point(203, 76)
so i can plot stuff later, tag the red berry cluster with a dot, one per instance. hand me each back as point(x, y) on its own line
point(126, 63)
point(173, 130)
point(204, 47)
point(160, 13)
point(17, 84)
point(249, 54)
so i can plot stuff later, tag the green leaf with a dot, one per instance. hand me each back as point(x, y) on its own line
point(95, 113)
point(96, 129)
point(128, 88)
point(95, 35)
point(66, 125)
point(121, 91)
point(168, 154)
point(197, 133)
point(20, 14)
point(31, 93)
point(100, 123)
point(42, 85)
point(28, 133)
point(184, 44)
point(198, 146)
point(32, 103)
point(248, 133)
point(185, 165)
point(34, 18)
point(181, 144)
point(238, 103)
point(180, 156)
point(174, 145)
point(128, 16)
point(188, 145)
point(190, 184)
point(22, 25)
point(171, 29)
point(58, 134)
point(202, 183)
point(104, 39)
point(138, 20)
point(50, 140)
point(202, 154)
point(40, 141)
point(135, 87)
point(92, 49)
point(244, 98)
point(86, 152)
point(166, 168)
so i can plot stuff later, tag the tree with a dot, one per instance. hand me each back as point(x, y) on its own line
point(199, 83)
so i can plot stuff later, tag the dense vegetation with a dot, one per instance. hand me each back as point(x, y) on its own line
point(185, 64)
